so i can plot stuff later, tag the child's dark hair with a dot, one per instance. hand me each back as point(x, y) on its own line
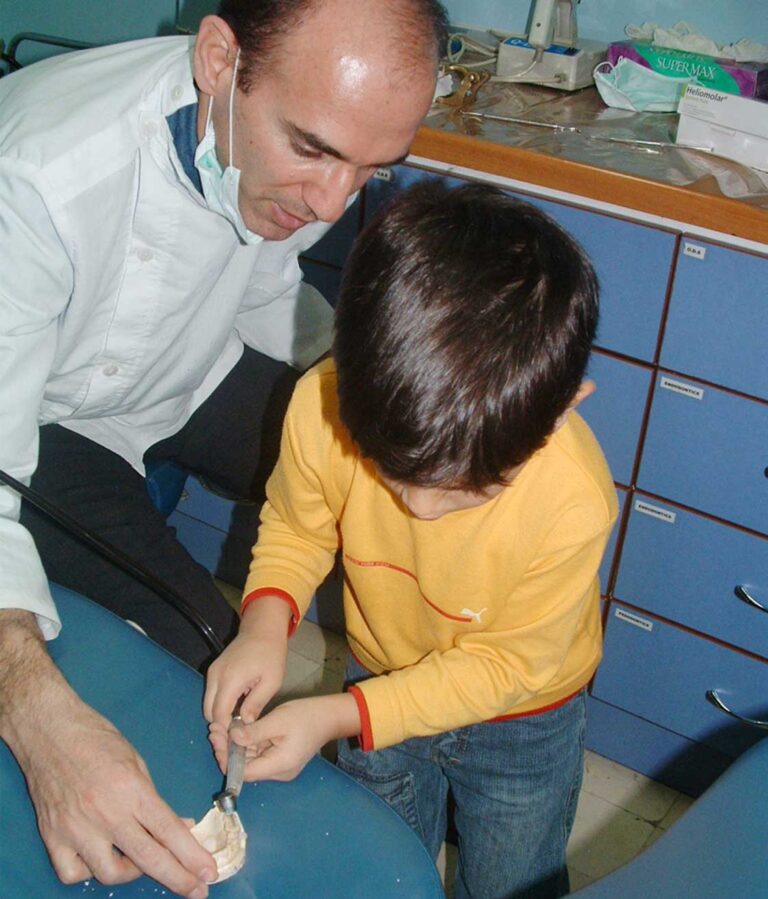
point(463, 330)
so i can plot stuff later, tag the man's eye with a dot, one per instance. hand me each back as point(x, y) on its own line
point(306, 152)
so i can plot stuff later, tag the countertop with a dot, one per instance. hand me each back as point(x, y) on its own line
point(571, 142)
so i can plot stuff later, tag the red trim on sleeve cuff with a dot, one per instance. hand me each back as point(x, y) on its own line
point(366, 734)
point(545, 708)
point(280, 594)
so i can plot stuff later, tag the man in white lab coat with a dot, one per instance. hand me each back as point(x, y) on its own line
point(154, 197)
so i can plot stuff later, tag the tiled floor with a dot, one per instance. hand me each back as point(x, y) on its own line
point(620, 812)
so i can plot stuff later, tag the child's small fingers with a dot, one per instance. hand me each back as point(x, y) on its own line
point(256, 750)
point(224, 703)
point(253, 705)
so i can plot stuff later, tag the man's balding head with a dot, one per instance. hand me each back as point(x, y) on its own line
point(413, 31)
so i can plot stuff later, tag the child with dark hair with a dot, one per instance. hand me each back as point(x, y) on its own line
point(440, 452)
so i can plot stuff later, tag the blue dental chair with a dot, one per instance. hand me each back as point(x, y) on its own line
point(717, 850)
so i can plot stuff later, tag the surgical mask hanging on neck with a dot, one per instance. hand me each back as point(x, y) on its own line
point(221, 188)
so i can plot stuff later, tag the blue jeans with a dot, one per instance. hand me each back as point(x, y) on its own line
point(515, 786)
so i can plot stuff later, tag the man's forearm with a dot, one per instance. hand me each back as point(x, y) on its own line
point(30, 683)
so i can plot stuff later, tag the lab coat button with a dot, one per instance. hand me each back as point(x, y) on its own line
point(150, 129)
point(177, 92)
point(144, 254)
point(110, 370)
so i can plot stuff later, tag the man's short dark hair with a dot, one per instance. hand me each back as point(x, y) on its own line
point(260, 26)
point(463, 331)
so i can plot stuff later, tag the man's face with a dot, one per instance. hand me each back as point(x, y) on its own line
point(316, 123)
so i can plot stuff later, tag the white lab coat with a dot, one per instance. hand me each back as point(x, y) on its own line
point(123, 300)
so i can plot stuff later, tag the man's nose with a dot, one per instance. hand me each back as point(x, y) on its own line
point(327, 196)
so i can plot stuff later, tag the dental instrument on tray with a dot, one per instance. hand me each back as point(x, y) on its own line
point(518, 121)
point(574, 129)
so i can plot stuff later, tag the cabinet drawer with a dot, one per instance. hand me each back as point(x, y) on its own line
point(632, 262)
point(708, 449)
point(662, 673)
point(717, 328)
point(687, 568)
point(615, 410)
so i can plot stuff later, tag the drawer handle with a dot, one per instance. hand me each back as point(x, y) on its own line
point(743, 594)
point(719, 704)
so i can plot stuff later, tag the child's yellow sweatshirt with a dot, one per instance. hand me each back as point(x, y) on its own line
point(485, 612)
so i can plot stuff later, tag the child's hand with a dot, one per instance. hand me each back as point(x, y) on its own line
point(282, 742)
point(254, 664)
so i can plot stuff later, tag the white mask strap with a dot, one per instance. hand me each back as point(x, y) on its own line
point(232, 103)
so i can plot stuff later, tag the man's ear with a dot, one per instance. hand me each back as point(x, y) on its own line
point(215, 52)
point(586, 388)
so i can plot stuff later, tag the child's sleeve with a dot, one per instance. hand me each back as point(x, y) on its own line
point(298, 537)
point(522, 662)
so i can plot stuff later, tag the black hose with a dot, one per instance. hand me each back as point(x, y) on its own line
point(114, 555)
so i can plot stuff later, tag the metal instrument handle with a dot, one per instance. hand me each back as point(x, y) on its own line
point(741, 591)
point(719, 704)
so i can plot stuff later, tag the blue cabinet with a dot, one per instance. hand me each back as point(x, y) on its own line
point(684, 612)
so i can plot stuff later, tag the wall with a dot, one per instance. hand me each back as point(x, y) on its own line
point(94, 21)
point(102, 21)
point(605, 19)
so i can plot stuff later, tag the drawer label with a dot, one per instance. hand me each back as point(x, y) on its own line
point(644, 623)
point(694, 393)
point(694, 250)
point(655, 511)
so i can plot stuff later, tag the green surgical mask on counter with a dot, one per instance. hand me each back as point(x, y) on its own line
point(628, 85)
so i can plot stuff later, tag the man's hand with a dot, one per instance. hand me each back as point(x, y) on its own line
point(254, 663)
point(97, 809)
point(281, 743)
